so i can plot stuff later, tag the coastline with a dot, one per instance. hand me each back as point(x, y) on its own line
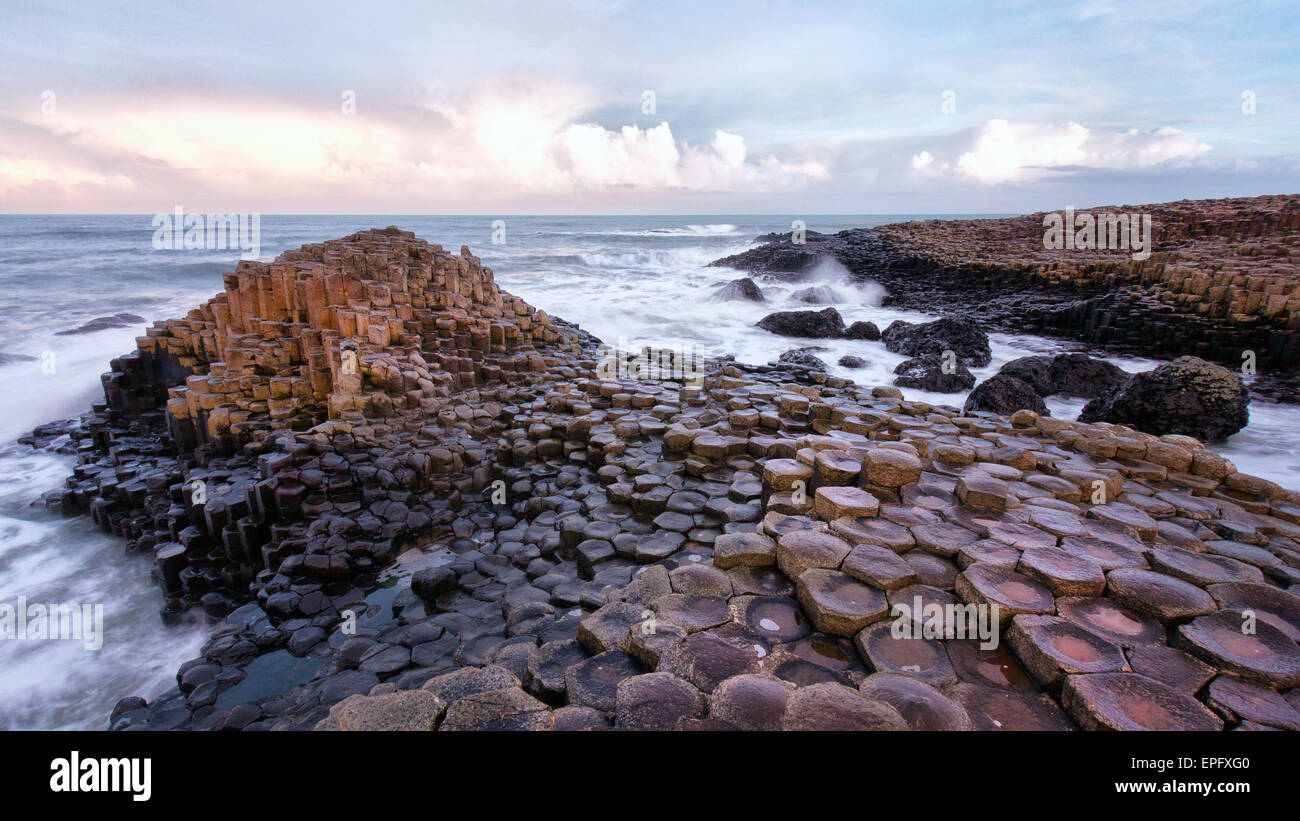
point(636, 463)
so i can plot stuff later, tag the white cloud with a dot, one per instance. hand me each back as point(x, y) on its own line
point(1017, 152)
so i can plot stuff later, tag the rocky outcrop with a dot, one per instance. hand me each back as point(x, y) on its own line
point(803, 358)
point(1222, 281)
point(932, 373)
point(1188, 396)
point(816, 295)
point(740, 289)
point(824, 324)
point(1004, 395)
point(960, 335)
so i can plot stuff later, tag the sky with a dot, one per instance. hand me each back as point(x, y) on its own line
point(668, 107)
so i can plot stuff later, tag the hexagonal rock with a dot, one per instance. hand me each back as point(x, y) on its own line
point(648, 584)
point(453, 686)
point(653, 640)
point(869, 530)
point(1238, 700)
point(656, 701)
point(1131, 701)
point(1108, 556)
point(402, 710)
point(943, 539)
point(999, 585)
point(751, 701)
point(1171, 666)
point(507, 709)
point(836, 467)
point(833, 502)
point(693, 613)
point(975, 662)
point(930, 569)
point(925, 659)
point(1277, 607)
point(1062, 572)
point(700, 580)
point(839, 604)
point(878, 566)
point(546, 666)
point(1020, 536)
point(594, 682)
point(1201, 569)
point(1154, 594)
point(1112, 622)
point(837, 707)
point(573, 718)
point(922, 706)
point(989, 551)
point(982, 491)
point(1051, 648)
point(781, 474)
point(1126, 516)
point(994, 709)
point(605, 628)
point(798, 551)
point(886, 467)
point(774, 618)
point(743, 550)
point(658, 545)
point(1220, 638)
point(759, 581)
point(708, 658)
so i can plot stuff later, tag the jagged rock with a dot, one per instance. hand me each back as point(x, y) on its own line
point(961, 335)
point(1005, 395)
point(824, 324)
point(1188, 396)
point(740, 289)
point(852, 362)
point(928, 373)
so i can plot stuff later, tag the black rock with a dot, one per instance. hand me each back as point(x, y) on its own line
point(816, 295)
point(852, 362)
point(1034, 371)
point(958, 334)
point(802, 358)
point(1005, 395)
point(432, 582)
point(928, 373)
point(863, 330)
point(823, 324)
point(1188, 396)
point(740, 289)
point(1076, 374)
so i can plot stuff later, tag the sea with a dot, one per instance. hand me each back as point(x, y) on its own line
point(630, 280)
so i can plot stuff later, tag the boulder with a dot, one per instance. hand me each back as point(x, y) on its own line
point(823, 324)
point(958, 334)
point(863, 330)
point(927, 373)
point(1005, 395)
point(1188, 396)
point(740, 289)
point(816, 295)
point(1067, 374)
point(802, 358)
point(852, 362)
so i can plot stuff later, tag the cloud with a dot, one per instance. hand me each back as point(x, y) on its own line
point(1017, 152)
point(496, 143)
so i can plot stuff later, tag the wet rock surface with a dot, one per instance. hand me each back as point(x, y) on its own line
point(518, 538)
point(1188, 396)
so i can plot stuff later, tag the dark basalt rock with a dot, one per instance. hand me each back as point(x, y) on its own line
point(852, 362)
point(863, 330)
point(1005, 395)
point(1067, 374)
point(740, 289)
point(1187, 396)
point(927, 373)
point(816, 295)
point(824, 324)
point(103, 323)
point(961, 335)
point(802, 358)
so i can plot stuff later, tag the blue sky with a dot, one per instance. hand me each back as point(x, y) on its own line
point(494, 107)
